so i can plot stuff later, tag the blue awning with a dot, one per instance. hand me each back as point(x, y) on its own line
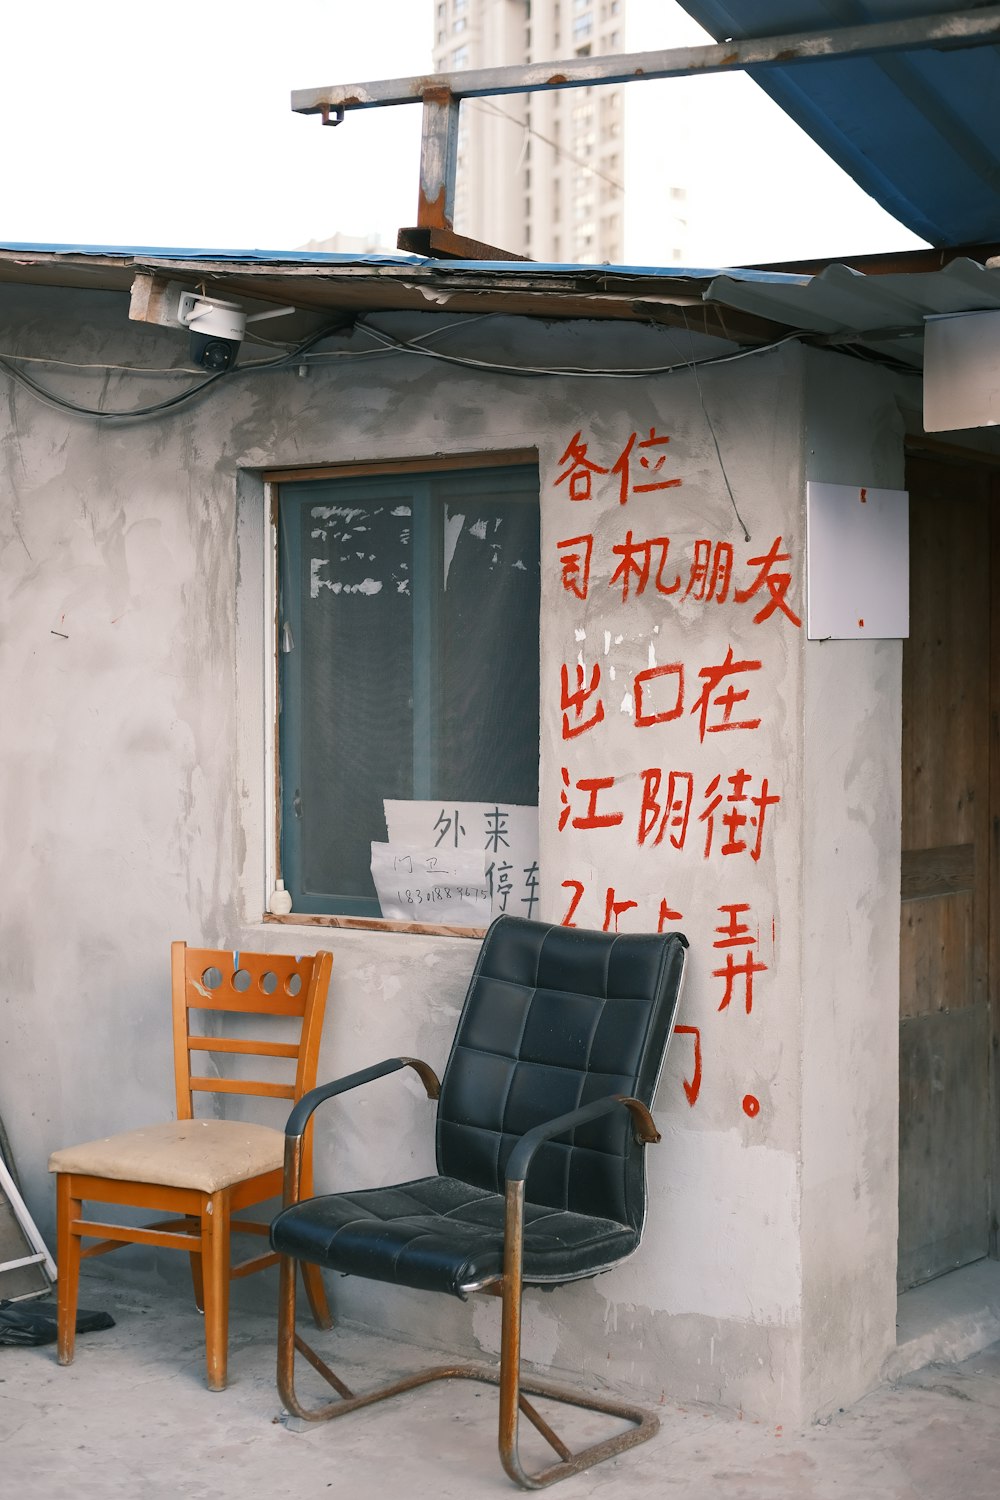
point(917, 130)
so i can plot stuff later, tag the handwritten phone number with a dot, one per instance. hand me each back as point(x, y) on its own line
point(439, 893)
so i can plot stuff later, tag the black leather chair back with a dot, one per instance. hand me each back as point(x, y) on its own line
point(557, 1017)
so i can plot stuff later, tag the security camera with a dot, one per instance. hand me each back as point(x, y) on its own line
point(217, 329)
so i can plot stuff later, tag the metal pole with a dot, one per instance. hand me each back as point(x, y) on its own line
point(966, 28)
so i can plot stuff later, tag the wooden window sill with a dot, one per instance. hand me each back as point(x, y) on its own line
point(374, 924)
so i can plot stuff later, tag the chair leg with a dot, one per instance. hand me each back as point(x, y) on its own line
point(312, 1280)
point(68, 1248)
point(514, 1390)
point(215, 1270)
point(510, 1349)
point(197, 1280)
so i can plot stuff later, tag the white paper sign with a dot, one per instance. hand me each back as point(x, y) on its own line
point(506, 832)
point(431, 885)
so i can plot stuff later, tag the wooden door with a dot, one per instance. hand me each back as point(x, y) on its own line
point(948, 1133)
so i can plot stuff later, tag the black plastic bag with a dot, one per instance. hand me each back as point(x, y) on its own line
point(29, 1323)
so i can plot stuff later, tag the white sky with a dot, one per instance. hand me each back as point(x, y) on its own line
point(129, 125)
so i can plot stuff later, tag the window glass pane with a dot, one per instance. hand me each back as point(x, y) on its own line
point(487, 694)
point(408, 661)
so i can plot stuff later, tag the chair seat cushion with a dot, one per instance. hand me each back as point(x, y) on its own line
point(203, 1154)
point(439, 1234)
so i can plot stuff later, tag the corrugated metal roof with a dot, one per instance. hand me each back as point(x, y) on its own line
point(916, 130)
point(883, 313)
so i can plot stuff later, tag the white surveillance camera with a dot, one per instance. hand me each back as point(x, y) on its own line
point(217, 329)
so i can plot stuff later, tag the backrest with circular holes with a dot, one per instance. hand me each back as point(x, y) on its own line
point(249, 994)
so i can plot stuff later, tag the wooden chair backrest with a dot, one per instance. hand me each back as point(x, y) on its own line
point(251, 984)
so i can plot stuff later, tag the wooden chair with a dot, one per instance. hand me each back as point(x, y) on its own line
point(542, 1121)
point(201, 1171)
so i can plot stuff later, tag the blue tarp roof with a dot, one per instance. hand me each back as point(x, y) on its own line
point(155, 254)
point(917, 130)
point(174, 252)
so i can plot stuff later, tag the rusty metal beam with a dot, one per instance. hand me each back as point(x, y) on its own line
point(438, 159)
point(965, 28)
point(445, 244)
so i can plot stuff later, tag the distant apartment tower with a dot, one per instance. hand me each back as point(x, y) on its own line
point(555, 175)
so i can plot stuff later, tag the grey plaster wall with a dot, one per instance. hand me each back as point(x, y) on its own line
point(851, 813)
point(134, 651)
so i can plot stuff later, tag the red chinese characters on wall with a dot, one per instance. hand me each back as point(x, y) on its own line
point(586, 813)
point(740, 965)
point(774, 581)
point(578, 714)
point(574, 556)
point(704, 573)
point(659, 696)
point(731, 809)
point(729, 804)
point(735, 939)
point(636, 566)
point(709, 812)
point(639, 469)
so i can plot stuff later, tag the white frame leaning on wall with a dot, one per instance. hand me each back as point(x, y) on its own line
point(273, 479)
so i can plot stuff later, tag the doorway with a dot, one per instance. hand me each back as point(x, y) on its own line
point(950, 931)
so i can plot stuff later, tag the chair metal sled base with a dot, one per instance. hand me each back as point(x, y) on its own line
point(507, 1377)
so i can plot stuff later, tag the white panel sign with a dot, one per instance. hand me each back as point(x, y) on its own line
point(857, 563)
point(427, 885)
point(961, 371)
point(506, 832)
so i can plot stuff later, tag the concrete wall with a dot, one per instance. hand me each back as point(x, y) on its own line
point(850, 936)
point(133, 656)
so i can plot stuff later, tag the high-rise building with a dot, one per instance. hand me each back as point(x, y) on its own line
point(558, 175)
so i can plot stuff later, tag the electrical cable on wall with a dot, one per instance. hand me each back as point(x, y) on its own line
point(305, 354)
point(157, 407)
point(718, 450)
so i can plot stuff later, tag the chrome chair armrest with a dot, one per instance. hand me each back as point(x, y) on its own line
point(305, 1108)
point(644, 1129)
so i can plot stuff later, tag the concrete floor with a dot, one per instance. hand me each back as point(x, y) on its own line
point(132, 1420)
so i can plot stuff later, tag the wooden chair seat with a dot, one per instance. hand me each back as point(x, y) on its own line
point(203, 1154)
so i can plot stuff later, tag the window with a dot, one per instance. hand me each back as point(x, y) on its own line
point(407, 661)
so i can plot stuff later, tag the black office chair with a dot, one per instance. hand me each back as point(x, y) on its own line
point(543, 1115)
